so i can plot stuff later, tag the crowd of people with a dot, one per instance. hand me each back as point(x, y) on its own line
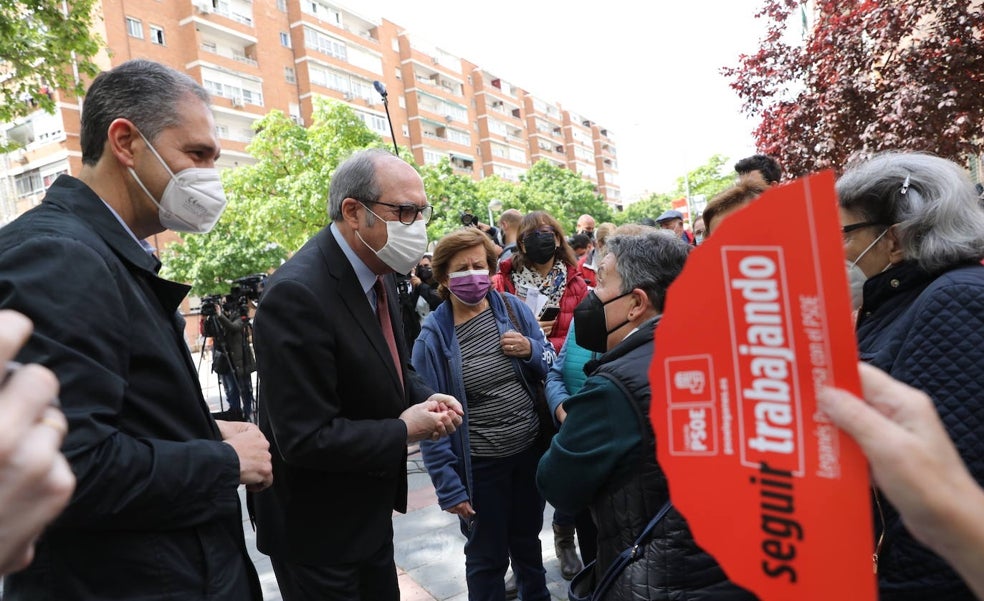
point(518, 364)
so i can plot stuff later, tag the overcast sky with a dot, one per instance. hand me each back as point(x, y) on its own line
point(648, 71)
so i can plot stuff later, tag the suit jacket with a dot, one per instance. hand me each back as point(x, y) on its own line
point(330, 399)
point(155, 514)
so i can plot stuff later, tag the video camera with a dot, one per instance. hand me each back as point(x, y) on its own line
point(249, 286)
point(468, 219)
point(244, 289)
point(210, 304)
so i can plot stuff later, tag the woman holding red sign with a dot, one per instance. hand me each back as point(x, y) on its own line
point(914, 238)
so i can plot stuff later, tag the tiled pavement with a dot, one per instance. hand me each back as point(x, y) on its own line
point(428, 548)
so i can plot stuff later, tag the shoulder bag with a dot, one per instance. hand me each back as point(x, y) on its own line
point(584, 587)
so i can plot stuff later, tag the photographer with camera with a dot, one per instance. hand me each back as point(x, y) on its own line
point(469, 219)
point(227, 323)
point(418, 297)
point(240, 362)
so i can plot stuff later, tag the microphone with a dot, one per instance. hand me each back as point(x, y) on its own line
point(382, 92)
point(380, 88)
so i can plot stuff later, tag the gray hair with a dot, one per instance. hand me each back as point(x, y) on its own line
point(142, 91)
point(355, 178)
point(938, 219)
point(649, 261)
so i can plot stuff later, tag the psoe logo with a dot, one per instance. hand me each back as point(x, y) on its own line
point(692, 430)
point(689, 380)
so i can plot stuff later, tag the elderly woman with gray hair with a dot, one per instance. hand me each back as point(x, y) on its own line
point(914, 238)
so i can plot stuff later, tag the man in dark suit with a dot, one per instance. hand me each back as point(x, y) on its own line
point(338, 401)
point(156, 510)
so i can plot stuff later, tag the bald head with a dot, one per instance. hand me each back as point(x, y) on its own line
point(586, 225)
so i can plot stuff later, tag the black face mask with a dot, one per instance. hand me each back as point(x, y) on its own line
point(590, 326)
point(590, 234)
point(424, 273)
point(540, 247)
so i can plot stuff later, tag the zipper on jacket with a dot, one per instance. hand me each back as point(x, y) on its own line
point(881, 535)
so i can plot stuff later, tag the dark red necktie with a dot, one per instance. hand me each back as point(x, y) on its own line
point(382, 312)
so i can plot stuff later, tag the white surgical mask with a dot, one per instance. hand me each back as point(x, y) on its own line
point(405, 244)
point(193, 200)
point(856, 277)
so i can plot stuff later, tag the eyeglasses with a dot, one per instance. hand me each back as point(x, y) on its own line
point(408, 212)
point(847, 229)
point(545, 229)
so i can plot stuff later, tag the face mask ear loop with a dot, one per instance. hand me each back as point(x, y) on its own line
point(870, 246)
point(154, 150)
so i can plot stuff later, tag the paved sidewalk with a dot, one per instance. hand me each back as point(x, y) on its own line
point(428, 548)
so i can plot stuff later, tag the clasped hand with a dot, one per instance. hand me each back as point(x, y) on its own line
point(440, 415)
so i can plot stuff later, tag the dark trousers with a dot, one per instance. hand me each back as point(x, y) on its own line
point(373, 579)
point(239, 395)
point(507, 522)
point(587, 533)
point(231, 391)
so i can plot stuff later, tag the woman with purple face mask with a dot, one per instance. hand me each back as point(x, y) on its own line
point(484, 473)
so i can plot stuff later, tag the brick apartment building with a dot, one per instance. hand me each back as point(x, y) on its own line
point(254, 56)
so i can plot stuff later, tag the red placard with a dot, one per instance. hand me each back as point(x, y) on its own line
point(759, 319)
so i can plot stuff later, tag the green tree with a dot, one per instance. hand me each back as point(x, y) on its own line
point(451, 195)
point(706, 180)
point(651, 207)
point(495, 188)
point(276, 204)
point(562, 193)
point(280, 201)
point(41, 43)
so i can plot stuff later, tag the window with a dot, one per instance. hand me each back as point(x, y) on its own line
point(459, 137)
point(289, 75)
point(325, 44)
point(29, 183)
point(156, 35)
point(234, 92)
point(325, 13)
point(431, 157)
point(134, 27)
point(285, 39)
point(375, 123)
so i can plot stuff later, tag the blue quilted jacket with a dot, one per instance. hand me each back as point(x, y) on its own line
point(927, 330)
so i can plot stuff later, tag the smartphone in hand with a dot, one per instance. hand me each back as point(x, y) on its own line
point(549, 314)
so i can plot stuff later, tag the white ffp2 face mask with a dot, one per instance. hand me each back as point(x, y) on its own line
point(856, 277)
point(405, 244)
point(193, 200)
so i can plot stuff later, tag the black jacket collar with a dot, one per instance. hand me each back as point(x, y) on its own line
point(74, 196)
point(639, 338)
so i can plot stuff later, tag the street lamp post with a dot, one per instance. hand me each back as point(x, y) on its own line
point(495, 205)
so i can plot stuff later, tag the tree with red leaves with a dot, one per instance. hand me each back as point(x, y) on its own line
point(866, 76)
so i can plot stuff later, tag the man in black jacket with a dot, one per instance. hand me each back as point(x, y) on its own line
point(339, 401)
point(156, 512)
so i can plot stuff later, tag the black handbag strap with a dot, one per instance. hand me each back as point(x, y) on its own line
point(629, 555)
